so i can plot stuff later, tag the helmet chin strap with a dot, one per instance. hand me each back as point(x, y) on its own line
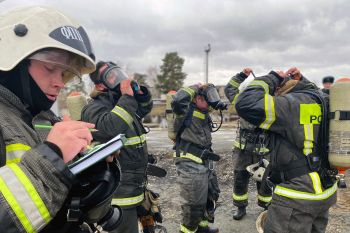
point(25, 83)
point(34, 98)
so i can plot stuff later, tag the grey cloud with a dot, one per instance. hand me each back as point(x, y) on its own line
point(262, 34)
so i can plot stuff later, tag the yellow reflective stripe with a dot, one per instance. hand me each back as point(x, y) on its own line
point(309, 139)
point(128, 200)
point(15, 151)
point(190, 156)
point(240, 197)
point(238, 145)
point(199, 115)
point(34, 195)
point(235, 99)
point(242, 146)
point(189, 91)
point(265, 199)
point(270, 115)
point(185, 230)
point(119, 111)
point(23, 198)
point(15, 206)
point(135, 140)
point(17, 146)
point(234, 83)
point(316, 182)
point(203, 223)
point(295, 194)
point(264, 150)
point(261, 84)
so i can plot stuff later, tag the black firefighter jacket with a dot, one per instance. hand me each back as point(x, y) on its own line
point(35, 181)
point(292, 120)
point(198, 129)
point(232, 92)
point(113, 116)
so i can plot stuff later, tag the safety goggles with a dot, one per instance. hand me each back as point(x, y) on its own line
point(112, 75)
point(68, 62)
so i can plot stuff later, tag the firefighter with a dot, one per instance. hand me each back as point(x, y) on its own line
point(292, 109)
point(194, 158)
point(327, 83)
point(252, 146)
point(117, 107)
point(37, 59)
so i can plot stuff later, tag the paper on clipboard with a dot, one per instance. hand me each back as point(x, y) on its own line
point(97, 153)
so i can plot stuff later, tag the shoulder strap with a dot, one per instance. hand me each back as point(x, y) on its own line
point(2, 150)
point(186, 122)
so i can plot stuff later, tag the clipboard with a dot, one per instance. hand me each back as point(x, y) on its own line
point(97, 154)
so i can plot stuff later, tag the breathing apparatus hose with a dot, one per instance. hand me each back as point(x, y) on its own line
point(221, 120)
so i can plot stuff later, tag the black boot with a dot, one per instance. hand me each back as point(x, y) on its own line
point(207, 230)
point(239, 213)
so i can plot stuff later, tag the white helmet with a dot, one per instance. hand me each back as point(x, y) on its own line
point(24, 31)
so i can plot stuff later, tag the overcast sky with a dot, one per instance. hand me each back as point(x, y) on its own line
point(262, 34)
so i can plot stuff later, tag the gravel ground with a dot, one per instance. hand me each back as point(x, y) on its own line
point(158, 143)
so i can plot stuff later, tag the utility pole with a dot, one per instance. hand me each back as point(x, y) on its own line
point(206, 50)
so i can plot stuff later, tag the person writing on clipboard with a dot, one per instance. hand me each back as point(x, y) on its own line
point(36, 62)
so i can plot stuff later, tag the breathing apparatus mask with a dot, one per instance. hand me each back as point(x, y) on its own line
point(212, 97)
point(90, 199)
point(113, 75)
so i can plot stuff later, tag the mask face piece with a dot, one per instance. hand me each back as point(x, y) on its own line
point(211, 95)
point(112, 76)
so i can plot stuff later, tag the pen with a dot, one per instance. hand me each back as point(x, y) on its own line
point(50, 127)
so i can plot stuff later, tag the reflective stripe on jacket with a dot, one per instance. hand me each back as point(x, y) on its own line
point(34, 182)
point(122, 116)
point(127, 201)
point(232, 93)
point(294, 119)
point(199, 131)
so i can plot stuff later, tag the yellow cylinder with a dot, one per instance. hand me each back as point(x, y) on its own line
point(339, 130)
point(75, 104)
point(170, 116)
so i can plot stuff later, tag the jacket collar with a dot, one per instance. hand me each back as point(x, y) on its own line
point(15, 105)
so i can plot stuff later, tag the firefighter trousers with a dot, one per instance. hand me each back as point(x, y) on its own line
point(193, 182)
point(287, 219)
point(241, 181)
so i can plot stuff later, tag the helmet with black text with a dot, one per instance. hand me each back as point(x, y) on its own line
point(46, 35)
point(24, 31)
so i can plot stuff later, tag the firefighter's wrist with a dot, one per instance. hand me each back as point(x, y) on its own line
point(145, 96)
point(241, 76)
point(55, 148)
